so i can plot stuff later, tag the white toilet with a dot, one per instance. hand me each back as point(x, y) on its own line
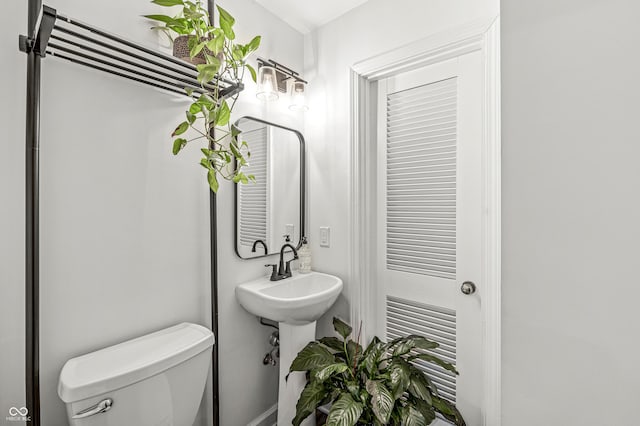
point(154, 380)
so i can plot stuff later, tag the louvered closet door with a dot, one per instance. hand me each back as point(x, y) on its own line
point(429, 218)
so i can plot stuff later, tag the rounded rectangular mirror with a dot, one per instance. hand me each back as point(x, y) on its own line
point(270, 211)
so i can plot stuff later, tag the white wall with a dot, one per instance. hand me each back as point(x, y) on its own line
point(12, 159)
point(124, 224)
point(249, 388)
point(571, 210)
point(373, 28)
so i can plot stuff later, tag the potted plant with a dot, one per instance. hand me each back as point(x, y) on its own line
point(217, 57)
point(378, 385)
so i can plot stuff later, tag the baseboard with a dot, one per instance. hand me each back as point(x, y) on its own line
point(268, 418)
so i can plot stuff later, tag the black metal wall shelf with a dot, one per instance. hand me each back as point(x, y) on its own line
point(62, 37)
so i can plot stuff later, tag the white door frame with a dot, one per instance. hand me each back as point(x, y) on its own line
point(481, 36)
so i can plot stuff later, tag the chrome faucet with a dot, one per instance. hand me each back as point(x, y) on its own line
point(283, 268)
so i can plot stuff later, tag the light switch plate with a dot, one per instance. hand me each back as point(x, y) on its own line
point(325, 236)
point(290, 229)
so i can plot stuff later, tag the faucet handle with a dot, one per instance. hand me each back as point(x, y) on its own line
point(287, 269)
point(274, 270)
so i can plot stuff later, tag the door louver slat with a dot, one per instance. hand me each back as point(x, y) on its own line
point(421, 149)
point(253, 196)
point(405, 317)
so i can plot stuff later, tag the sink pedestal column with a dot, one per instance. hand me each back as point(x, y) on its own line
point(292, 339)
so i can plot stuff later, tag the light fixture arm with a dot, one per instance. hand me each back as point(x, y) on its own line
point(288, 72)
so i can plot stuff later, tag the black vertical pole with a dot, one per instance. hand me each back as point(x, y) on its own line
point(213, 209)
point(214, 306)
point(32, 272)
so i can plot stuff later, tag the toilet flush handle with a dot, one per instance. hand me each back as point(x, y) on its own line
point(100, 407)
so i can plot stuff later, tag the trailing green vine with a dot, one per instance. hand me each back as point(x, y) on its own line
point(209, 115)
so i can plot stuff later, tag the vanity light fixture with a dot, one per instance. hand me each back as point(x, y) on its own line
point(274, 78)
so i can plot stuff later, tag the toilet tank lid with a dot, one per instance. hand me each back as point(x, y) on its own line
point(129, 362)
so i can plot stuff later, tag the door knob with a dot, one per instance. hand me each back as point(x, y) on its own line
point(468, 287)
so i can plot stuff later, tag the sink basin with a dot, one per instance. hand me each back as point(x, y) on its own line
point(300, 299)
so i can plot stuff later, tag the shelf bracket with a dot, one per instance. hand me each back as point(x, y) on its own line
point(39, 41)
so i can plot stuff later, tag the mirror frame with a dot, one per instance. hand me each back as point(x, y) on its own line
point(302, 188)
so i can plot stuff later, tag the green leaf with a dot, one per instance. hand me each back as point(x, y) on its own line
point(341, 327)
point(188, 90)
point(191, 118)
point(354, 388)
point(178, 144)
point(252, 71)
point(253, 45)
point(213, 180)
point(197, 49)
point(419, 388)
point(226, 16)
point(400, 377)
point(448, 410)
point(224, 114)
point(313, 356)
point(333, 343)
point(228, 30)
point(212, 60)
point(426, 410)
point(195, 108)
point(226, 23)
point(382, 401)
point(216, 44)
point(372, 346)
point(310, 398)
point(412, 417)
point(237, 153)
point(162, 18)
point(235, 131)
point(424, 343)
point(182, 127)
point(372, 354)
point(237, 53)
point(425, 377)
point(206, 101)
point(204, 162)
point(207, 72)
point(435, 360)
point(167, 3)
point(404, 347)
point(328, 371)
point(344, 412)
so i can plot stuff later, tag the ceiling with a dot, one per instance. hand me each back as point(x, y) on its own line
point(304, 15)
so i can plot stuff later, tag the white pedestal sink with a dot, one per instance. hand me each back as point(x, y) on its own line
point(295, 303)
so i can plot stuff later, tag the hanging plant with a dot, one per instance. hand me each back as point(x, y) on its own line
point(379, 385)
point(217, 57)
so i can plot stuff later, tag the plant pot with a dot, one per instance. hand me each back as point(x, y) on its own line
point(181, 50)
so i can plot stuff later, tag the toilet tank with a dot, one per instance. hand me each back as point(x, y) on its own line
point(157, 379)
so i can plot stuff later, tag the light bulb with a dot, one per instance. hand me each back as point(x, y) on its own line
point(267, 84)
point(296, 93)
